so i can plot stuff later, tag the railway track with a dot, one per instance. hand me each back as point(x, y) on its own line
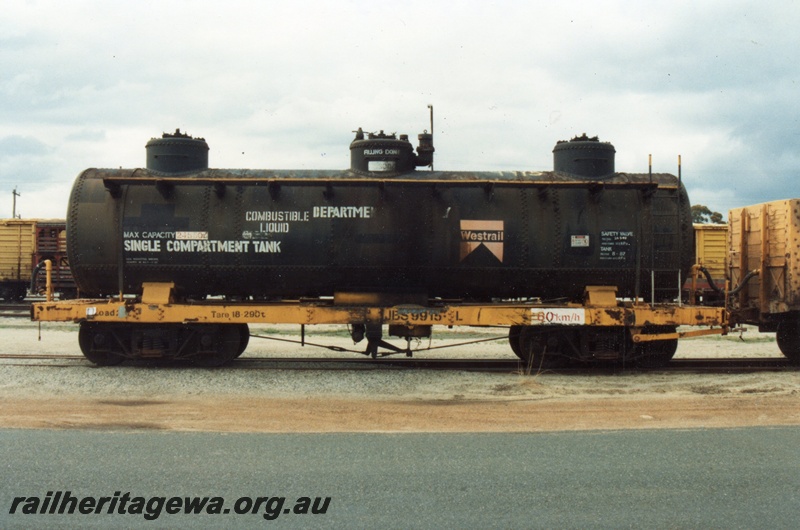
point(480, 365)
point(15, 310)
point(514, 365)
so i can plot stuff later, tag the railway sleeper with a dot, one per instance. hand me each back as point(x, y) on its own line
point(207, 345)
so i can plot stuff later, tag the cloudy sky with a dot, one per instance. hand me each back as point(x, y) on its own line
point(283, 84)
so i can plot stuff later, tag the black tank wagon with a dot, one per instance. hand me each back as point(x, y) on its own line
point(383, 242)
point(380, 227)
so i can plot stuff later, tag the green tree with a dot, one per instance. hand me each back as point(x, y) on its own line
point(702, 214)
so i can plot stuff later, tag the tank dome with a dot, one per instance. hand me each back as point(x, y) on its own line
point(584, 156)
point(177, 153)
point(380, 152)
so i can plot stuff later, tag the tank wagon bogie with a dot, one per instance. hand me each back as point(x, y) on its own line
point(210, 345)
point(381, 243)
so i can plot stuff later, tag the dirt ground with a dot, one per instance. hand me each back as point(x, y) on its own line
point(74, 394)
point(263, 414)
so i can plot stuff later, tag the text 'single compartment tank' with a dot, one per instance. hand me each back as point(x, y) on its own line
point(383, 226)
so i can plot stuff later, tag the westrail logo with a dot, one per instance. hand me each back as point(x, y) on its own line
point(476, 233)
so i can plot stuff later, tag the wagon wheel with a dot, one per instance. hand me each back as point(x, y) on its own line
point(540, 348)
point(788, 338)
point(97, 343)
point(217, 345)
point(244, 338)
point(657, 353)
point(513, 339)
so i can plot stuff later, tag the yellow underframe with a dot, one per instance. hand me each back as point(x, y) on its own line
point(156, 307)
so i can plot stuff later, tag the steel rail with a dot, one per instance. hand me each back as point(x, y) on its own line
point(705, 365)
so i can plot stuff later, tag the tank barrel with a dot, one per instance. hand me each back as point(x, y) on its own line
point(379, 226)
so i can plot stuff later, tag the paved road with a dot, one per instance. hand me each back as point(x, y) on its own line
point(736, 478)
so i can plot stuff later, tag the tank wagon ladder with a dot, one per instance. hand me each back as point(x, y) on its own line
point(666, 283)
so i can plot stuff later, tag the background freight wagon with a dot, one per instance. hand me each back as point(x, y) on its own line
point(711, 251)
point(24, 243)
point(764, 243)
point(17, 244)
